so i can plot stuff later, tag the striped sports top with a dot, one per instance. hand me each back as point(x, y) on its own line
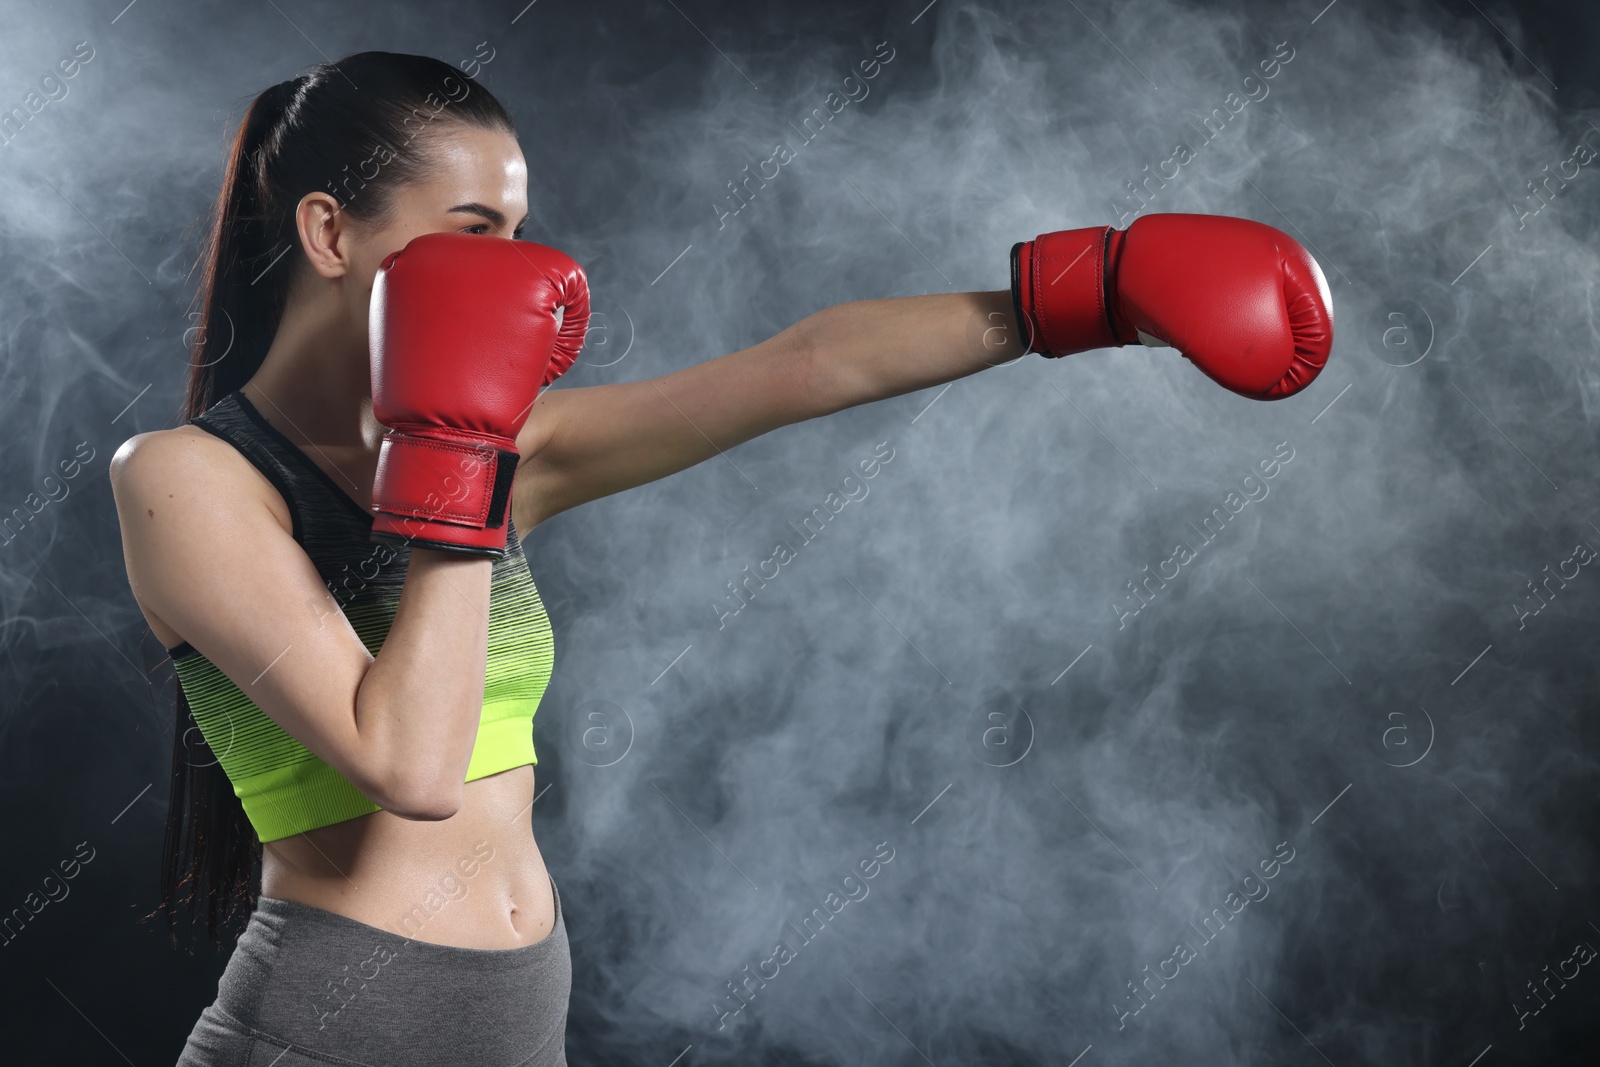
point(284, 788)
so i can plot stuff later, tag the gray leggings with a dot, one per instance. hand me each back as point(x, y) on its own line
point(306, 986)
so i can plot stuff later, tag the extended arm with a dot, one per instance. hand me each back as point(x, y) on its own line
point(1242, 301)
point(584, 443)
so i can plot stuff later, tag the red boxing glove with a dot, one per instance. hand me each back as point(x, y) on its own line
point(1239, 299)
point(463, 332)
point(564, 355)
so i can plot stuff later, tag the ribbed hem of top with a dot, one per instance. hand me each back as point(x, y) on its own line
point(311, 794)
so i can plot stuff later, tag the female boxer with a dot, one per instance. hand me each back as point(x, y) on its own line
point(329, 545)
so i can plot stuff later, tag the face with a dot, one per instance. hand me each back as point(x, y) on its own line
point(477, 183)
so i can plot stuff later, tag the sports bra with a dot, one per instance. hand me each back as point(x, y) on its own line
point(284, 788)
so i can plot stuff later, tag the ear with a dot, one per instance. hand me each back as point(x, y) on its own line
point(324, 234)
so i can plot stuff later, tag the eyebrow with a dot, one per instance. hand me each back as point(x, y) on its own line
point(495, 218)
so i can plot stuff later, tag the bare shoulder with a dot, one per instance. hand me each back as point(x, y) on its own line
point(186, 467)
point(155, 453)
point(172, 487)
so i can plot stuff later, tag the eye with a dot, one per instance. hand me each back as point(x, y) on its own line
point(482, 227)
point(516, 234)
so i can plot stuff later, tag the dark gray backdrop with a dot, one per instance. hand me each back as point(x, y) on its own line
point(1353, 671)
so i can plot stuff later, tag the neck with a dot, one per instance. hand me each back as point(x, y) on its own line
point(315, 381)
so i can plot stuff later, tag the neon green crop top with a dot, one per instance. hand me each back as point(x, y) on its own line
point(284, 788)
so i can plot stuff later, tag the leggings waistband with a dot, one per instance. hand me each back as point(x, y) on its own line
point(296, 924)
point(337, 990)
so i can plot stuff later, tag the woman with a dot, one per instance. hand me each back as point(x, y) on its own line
point(356, 633)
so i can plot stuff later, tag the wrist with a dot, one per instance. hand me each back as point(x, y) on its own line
point(425, 554)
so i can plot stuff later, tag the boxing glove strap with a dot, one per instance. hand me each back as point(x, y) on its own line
point(460, 482)
point(442, 537)
point(1062, 291)
point(1024, 324)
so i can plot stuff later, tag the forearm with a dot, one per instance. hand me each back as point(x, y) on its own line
point(420, 702)
point(870, 350)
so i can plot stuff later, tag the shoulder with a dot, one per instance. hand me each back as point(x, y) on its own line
point(187, 467)
point(144, 453)
point(174, 490)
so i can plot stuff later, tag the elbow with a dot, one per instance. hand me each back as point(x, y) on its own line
point(401, 773)
point(827, 381)
point(422, 799)
point(813, 377)
point(425, 805)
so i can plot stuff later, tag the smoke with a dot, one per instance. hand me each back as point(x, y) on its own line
point(980, 665)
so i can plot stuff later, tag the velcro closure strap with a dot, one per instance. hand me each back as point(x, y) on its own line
point(463, 482)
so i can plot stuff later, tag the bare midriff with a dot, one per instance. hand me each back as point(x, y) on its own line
point(474, 880)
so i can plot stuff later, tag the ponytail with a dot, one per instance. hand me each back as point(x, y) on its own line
point(239, 307)
point(313, 133)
